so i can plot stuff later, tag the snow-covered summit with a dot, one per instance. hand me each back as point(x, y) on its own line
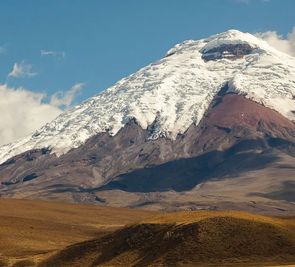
point(232, 37)
point(176, 90)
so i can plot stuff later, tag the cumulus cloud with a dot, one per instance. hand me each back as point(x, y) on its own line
point(58, 54)
point(65, 99)
point(22, 69)
point(23, 111)
point(286, 45)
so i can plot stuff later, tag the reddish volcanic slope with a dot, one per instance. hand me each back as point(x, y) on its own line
point(233, 118)
point(236, 110)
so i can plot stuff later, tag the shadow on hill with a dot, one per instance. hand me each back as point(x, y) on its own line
point(184, 174)
point(286, 192)
point(218, 239)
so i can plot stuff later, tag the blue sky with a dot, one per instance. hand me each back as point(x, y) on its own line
point(105, 40)
point(64, 51)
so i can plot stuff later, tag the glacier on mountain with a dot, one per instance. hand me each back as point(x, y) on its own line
point(177, 90)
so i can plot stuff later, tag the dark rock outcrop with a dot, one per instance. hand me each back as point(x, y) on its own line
point(229, 51)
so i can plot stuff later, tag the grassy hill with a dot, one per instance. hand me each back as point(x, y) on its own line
point(189, 239)
point(52, 234)
point(32, 230)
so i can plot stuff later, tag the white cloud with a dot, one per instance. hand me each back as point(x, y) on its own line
point(65, 99)
point(22, 70)
point(58, 54)
point(23, 111)
point(286, 45)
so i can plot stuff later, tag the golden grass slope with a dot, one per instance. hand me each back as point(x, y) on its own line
point(40, 233)
point(215, 238)
point(188, 217)
point(33, 229)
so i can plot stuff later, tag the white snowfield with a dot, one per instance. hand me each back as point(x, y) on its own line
point(179, 88)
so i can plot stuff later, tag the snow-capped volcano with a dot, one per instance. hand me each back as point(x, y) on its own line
point(175, 91)
point(211, 125)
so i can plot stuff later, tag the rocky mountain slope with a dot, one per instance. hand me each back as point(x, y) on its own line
point(214, 113)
